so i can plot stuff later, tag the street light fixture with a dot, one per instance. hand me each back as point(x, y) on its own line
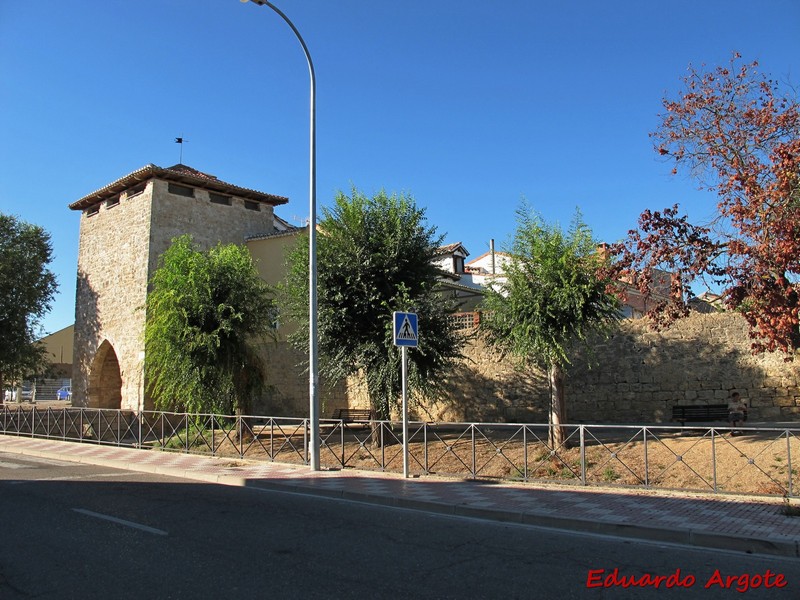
point(313, 368)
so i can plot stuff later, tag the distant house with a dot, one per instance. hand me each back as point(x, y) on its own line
point(488, 270)
point(455, 280)
point(58, 346)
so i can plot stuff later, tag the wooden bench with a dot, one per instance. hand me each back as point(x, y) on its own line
point(699, 413)
point(353, 415)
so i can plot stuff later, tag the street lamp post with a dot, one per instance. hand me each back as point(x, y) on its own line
point(313, 368)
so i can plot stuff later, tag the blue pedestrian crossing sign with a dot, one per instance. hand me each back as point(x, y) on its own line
point(405, 329)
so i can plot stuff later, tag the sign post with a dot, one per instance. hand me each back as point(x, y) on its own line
point(406, 335)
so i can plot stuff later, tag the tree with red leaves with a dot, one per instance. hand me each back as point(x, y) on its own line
point(738, 133)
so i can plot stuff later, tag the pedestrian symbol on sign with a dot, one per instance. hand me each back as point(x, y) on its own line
point(405, 329)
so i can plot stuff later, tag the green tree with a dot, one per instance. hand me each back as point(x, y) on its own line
point(374, 256)
point(207, 311)
point(27, 288)
point(552, 298)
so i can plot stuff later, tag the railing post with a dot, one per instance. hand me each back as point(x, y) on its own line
point(474, 467)
point(714, 459)
point(789, 461)
point(525, 452)
point(583, 454)
point(305, 439)
point(646, 464)
point(425, 447)
point(213, 440)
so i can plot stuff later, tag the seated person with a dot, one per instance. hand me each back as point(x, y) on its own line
point(737, 411)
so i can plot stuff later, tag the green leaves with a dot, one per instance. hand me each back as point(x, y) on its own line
point(206, 313)
point(552, 296)
point(374, 256)
point(27, 289)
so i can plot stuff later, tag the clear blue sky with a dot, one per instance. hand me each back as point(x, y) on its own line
point(467, 105)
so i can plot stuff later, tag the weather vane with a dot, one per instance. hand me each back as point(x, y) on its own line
point(180, 140)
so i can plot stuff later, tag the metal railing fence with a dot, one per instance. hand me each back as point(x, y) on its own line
point(760, 460)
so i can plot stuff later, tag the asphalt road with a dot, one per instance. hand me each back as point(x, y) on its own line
point(79, 531)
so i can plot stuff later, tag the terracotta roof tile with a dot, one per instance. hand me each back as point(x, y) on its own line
point(178, 173)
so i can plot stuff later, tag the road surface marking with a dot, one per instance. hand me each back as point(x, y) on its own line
point(139, 526)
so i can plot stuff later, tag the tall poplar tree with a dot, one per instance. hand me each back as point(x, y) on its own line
point(552, 298)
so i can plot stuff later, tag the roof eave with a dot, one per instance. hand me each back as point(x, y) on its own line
point(152, 171)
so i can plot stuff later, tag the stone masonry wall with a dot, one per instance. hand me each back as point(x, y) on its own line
point(641, 374)
point(112, 277)
point(636, 377)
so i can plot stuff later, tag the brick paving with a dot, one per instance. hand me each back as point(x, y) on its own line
point(731, 522)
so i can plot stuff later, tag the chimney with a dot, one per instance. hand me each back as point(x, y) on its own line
point(491, 249)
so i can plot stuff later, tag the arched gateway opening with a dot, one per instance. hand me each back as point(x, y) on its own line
point(105, 380)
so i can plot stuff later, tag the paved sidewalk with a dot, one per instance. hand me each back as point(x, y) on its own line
point(735, 523)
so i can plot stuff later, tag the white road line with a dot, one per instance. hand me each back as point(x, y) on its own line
point(139, 526)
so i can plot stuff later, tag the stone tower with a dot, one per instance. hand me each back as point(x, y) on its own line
point(125, 227)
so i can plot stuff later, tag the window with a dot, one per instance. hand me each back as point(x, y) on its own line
point(136, 190)
point(219, 199)
point(180, 190)
point(92, 210)
point(112, 202)
point(458, 264)
point(251, 205)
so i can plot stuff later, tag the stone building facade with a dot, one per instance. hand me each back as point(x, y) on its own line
point(124, 228)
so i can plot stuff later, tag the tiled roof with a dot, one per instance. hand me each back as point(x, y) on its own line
point(485, 254)
point(450, 248)
point(180, 174)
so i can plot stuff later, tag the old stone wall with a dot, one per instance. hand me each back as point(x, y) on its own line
point(112, 283)
point(641, 374)
point(635, 376)
point(208, 223)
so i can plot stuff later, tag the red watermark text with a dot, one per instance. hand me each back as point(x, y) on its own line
point(742, 582)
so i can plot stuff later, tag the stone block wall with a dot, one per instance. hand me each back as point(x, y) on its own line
point(112, 283)
point(640, 374)
point(208, 223)
point(635, 376)
point(287, 382)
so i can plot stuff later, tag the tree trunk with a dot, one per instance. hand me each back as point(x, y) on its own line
point(558, 407)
